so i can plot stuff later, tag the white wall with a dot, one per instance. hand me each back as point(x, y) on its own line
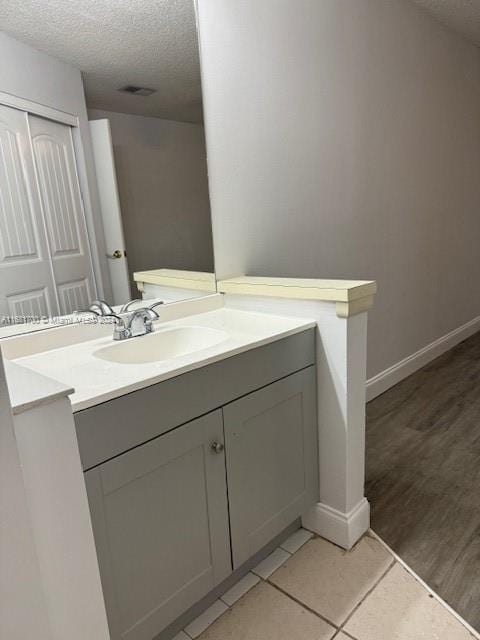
point(163, 187)
point(343, 140)
point(23, 609)
point(33, 75)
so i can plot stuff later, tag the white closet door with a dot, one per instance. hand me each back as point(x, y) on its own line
point(63, 211)
point(26, 277)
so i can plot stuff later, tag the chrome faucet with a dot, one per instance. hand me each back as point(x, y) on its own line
point(131, 325)
point(127, 324)
point(137, 323)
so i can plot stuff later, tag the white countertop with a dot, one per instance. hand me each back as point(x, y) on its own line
point(96, 380)
point(28, 389)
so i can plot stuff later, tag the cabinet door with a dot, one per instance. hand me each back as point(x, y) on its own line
point(160, 520)
point(272, 460)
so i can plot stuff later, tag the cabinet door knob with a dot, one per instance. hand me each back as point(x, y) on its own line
point(217, 447)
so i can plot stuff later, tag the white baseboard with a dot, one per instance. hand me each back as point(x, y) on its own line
point(344, 529)
point(397, 372)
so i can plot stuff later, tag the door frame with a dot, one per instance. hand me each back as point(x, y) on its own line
point(98, 261)
point(110, 208)
point(37, 109)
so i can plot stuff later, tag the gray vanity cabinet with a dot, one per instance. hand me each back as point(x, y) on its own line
point(271, 449)
point(160, 518)
point(179, 502)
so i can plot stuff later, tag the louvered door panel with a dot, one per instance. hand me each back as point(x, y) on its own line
point(57, 195)
point(26, 277)
point(74, 295)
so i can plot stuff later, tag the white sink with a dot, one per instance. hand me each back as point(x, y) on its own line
point(101, 369)
point(161, 345)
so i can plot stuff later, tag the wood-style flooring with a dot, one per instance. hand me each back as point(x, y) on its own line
point(423, 474)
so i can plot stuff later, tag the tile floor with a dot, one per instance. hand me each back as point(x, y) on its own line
point(309, 589)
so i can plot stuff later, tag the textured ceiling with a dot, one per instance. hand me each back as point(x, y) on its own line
point(461, 15)
point(151, 43)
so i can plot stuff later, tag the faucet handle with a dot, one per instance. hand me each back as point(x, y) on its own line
point(153, 315)
point(127, 304)
point(156, 304)
point(145, 313)
point(101, 307)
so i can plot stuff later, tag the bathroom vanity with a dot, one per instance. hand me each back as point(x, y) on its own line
point(199, 447)
point(184, 456)
point(189, 478)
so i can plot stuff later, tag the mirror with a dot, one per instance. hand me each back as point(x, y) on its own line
point(117, 203)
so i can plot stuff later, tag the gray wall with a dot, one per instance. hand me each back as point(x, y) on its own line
point(162, 181)
point(343, 141)
point(33, 75)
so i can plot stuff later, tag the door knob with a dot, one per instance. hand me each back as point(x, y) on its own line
point(116, 254)
point(217, 447)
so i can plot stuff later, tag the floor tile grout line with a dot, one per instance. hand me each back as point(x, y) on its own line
point(303, 605)
point(457, 616)
point(290, 555)
point(369, 592)
point(338, 628)
point(229, 607)
point(341, 628)
point(235, 584)
point(345, 633)
point(322, 617)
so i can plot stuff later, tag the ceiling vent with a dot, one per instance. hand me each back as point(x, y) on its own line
point(137, 91)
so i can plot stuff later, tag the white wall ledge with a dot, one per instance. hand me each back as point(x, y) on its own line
point(351, 296)
point(197, 280)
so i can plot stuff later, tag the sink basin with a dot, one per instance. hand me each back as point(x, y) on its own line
point(161, 345)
